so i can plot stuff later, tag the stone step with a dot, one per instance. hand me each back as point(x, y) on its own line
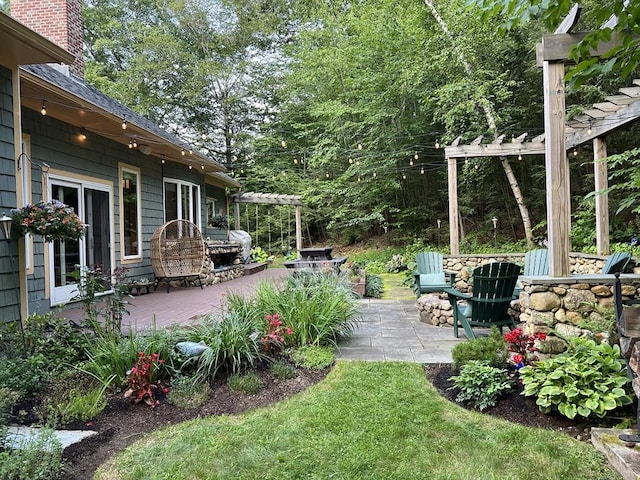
point(17, 436)
point(624, 458)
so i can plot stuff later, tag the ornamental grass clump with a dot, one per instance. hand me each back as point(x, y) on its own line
point(53, 220)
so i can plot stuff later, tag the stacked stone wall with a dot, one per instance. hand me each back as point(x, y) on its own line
point(543, 305)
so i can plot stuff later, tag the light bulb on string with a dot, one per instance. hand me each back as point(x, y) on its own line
point(519, 156)
point(357, 162)
point(202, 166)
point(375, 174)
point(43, 110)
point(295, 161)
point(437, 143)
point(326, 175)
point(575, 152)
point(416, 157)
point(135, 143)
point(404, 176)
point(350, 160)
point(411, 162)
point(359, 145)
point(124, 122)
point(182, 152)
point(589, 129)
point(358, 178)
point(422, 170)
point(283, 144)
point(190, 152)
point(190, 166)
point(513, 139)
point(83, 135)
point(130, 144)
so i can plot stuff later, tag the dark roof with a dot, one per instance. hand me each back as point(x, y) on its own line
point(88, 94)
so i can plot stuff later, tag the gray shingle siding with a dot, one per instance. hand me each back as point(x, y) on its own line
point(9, 310)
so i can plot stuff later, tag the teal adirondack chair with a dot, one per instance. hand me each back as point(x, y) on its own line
point(616, 263)
point(536, 264)
point(430, 275)
point(488, 305)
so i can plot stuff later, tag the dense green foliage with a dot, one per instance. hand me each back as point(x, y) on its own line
point(589, 379)
point(491, 349)
point(480, 384)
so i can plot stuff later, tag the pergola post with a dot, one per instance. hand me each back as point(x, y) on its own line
point(557, 170)
point(602, 200)
point(298, 229)
point(236, 216)
point(454, 232)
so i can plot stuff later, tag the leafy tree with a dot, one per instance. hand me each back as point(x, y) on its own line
point(624, 58)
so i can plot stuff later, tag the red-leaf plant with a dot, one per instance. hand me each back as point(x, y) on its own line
point(522, 346)
point(275, 338)
point(142, 377)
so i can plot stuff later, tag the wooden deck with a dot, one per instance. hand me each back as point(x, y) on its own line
point(183, 306)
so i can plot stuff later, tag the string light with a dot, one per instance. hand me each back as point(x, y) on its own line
point(190, 152)
point(182, 152)
point(422, 170)
point(404, 176)
point(283, 144)
point(589, 129)
point(358, 178)
point(124, 122)
point(411, 161)
point(83, 135)
point(357, 162)
point(130, 144)
point(437, 143)
point(350, 160)
point(375, 174)
point(326, 174)
point(202, 166)
point(513, 139)
point(519, 156)
point(359, 146)
point(43, 110)
point(190, 166)
point(135, 143)
point(416, 156)
point(575, 152)
point(295, 161)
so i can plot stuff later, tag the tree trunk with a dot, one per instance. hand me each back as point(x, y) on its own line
point(487, 108)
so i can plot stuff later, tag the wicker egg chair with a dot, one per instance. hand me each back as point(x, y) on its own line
point(177, 252)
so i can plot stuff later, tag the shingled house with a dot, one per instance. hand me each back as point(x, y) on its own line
point(61, 139)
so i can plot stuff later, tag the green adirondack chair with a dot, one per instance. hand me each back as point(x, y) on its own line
point(536, 263)
point(430, 276)
point(488, 305)
point(616, 263)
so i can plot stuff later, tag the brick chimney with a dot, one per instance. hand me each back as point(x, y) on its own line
point(58, 20)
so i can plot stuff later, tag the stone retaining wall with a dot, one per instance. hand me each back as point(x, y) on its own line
point(543, 305)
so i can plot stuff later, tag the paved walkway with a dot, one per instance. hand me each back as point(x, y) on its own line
point(390, 330)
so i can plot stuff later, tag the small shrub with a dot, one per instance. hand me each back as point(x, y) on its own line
point(25, 377)
point(188, 393)
point(38, 458)
point(589, 379)
point(491, 349)
point(480, 384)
point(142, 379)
point(282, 370)
point(396, 264)
point(374, 286)
point(313, 357)
point(248, 383)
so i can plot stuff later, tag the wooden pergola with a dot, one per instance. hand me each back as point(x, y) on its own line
point(270, 199)
point(559, 137)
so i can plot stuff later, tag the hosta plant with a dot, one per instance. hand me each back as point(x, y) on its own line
point(480, 384)
point(589, 379)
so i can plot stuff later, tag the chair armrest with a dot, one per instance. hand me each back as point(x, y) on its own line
point(452, 292)
point(452, 277)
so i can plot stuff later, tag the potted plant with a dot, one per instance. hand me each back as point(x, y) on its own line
point(53, 220)
point(357, 275)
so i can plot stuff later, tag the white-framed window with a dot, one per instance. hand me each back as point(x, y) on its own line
point(130, 214)
point(181, 201)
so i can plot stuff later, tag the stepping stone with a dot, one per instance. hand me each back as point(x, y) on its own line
point(17, 436)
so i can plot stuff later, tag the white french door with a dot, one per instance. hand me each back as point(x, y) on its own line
point(92, 202)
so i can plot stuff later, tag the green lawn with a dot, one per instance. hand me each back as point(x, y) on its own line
point(365, 421)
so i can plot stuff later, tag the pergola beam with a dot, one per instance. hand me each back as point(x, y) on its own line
point(495, 150)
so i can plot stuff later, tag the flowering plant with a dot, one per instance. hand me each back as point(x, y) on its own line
point(53, 220)
point(142, 379)
point(274, 339)
point(523, 347)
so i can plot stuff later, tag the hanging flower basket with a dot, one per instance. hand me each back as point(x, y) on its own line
point(53, 220)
